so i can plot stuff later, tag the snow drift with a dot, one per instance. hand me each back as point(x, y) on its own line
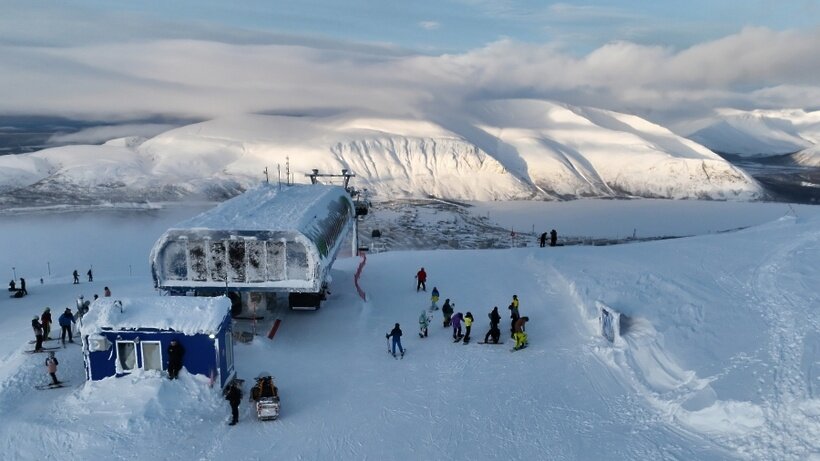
point(503, 150)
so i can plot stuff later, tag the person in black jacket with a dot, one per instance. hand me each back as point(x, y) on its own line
point(23, 286)
point(396, 335)
point(495, 319)
point(175, 354)
point(38, 333)
point(234, 396)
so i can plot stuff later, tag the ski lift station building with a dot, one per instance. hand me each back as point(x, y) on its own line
point(273, 238)
point(128, 335)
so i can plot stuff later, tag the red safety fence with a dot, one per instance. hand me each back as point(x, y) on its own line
point(361, 292)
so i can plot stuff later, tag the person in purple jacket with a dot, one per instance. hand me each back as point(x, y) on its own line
point(456, 322)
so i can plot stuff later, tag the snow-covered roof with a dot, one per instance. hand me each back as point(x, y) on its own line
point(185, 314)
point(269, 207)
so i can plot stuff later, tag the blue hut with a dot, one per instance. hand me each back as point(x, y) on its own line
point(124, 336)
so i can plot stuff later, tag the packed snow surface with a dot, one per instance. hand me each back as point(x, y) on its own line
point(499, 150)
point(718, 358)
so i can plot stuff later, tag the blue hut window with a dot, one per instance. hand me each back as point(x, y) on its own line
point(151, 355)
point(127, 355)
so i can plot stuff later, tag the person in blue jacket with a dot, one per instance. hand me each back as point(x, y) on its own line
point(396, 335)
point(66, 320)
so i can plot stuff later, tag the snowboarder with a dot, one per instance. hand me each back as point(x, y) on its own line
point(65, 321)
point(424, 322)
point(514, 315)
point(447, 311)
point(468, 324)
point(38, 333)
point(234, 396)
point(51, 367)
point(76, 276)
point(396, 335)
point(23, 286)
point(421, 278)
point(45, 320)
point(90, 275)
point(495, 319)
point(12, 286)
point(456, 322)
point(106, 292)
point(520, 333)
point(543, 240)
point(434, 299)
point(553, 238)
point(175, 354)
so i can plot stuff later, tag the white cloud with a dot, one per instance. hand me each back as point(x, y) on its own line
point(756, 67)
point(429, 25)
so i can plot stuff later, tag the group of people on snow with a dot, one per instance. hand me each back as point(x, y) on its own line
point(553, 239)
point(18, 291)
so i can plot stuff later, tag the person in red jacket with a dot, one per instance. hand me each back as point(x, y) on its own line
point(421, 277)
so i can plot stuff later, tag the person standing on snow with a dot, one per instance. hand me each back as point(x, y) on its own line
point(468, 324)
point(543, 240)
point(12, 286)
point(23, 286)
point(456, 322)
point(38, 333)
point(106, 292)
point(234, 396)
point(421, 278)
point(51, 367)
point(520, 333)
point(424, 322)
point(76, 276)
point(396, 335)
point(434, 299)
point(553, 238)
point(514, 315)
point(65, 322)
point(175, 354)
point(45, 320)
point(447, 311)
point(90, 275)
point(495, 319)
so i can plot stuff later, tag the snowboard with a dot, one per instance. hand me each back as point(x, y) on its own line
point(491, 343)
point(42, 387)
point(522, 347)
point(458, 340)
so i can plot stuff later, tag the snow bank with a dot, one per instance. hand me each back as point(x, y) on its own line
point(189, 315)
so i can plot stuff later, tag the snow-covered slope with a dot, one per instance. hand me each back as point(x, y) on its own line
point(502, 150)
point(761, 132)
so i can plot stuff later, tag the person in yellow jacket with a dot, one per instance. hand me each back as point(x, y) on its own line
point(468, 323)
point(520, 335)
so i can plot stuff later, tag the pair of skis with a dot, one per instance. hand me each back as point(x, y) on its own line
point(59, 384)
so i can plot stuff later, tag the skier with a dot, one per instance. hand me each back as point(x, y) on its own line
point(76, 277)
point(65, 322)
point(12, 286)
point(51, 367)
point(434, 299)
point(45, 320)
point(543, 240)
point(495, 319)
point(447, 311)
point(520, 333)
point(514, 315)
point(468, 324)
point(90, 275)
point(175, 354)
point(396, 335)
point(421, 277)
point(234, 396)
point(38, 333)
point(456, 322)
point(106, 292)
point(553, 238)
point(23, 286)
point(424, 322)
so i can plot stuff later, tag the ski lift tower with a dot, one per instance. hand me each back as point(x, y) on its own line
point(360, 204)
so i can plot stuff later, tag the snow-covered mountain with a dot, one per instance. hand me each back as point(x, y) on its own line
point(763, 133)
point(502, 150)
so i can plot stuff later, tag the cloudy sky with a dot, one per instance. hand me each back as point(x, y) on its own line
point(668, 61)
